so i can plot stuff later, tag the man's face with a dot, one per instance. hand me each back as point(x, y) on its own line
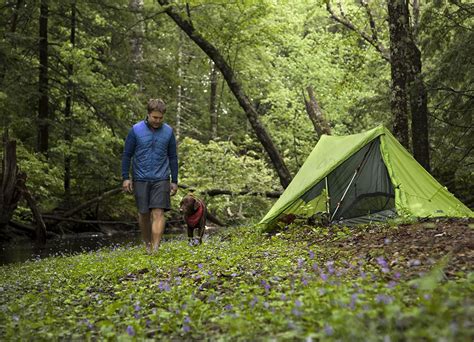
point(155, 119)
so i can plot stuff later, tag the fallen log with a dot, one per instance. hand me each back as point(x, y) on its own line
point(92, 201)
point(30, 230)
point(68, 219)
point(217, 192)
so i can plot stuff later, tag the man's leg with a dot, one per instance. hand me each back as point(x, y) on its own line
point(145, 226)
point(157, 227)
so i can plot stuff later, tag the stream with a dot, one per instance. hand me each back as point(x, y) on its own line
point(23, 250)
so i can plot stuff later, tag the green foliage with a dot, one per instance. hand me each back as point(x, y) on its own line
point(225, 166)
point(276, 50)
point(239, 285)
point(448, 41)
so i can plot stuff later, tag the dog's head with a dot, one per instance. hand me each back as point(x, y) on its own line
point(188, 205)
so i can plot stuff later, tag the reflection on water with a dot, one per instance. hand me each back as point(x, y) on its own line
point(26, 250)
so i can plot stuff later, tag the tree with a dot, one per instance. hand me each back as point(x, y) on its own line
point(43, 106)
point(68, 110)
point(234, 85)
point(398, 27)
point(407, 83)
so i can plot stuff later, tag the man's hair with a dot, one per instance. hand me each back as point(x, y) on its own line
point(156, 105)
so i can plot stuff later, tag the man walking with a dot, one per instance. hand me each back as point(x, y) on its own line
point(152, 145)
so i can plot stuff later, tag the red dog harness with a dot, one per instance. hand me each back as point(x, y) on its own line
point(193, 220)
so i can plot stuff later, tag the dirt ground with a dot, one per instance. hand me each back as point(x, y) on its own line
point(412, 249)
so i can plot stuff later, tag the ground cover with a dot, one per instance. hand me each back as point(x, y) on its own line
point(379, 282)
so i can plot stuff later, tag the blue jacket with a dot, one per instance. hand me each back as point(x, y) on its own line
point(153, 151)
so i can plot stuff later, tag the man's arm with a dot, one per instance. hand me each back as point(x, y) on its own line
point(173, 160)
point(128, 151)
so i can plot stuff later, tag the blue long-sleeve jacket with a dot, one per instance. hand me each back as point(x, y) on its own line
point(153, 152)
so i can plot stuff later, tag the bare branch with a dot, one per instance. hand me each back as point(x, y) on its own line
point(372, 40)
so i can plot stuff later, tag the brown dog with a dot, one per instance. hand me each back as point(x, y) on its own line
point(195, 214)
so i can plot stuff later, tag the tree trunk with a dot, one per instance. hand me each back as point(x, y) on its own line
point(68, 111)
point(40, 231)
point(179, 99)
point(398, 25)
point(236, 88)
point(43, 107)
point(9, 193)
point(321, 126)
point(13, 187)
point(213, 101)
point(419, 109)
point(136, 6)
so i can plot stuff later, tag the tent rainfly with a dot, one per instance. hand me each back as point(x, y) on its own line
point(362, 178)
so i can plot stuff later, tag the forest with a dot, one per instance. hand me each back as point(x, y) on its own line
point(250, 87)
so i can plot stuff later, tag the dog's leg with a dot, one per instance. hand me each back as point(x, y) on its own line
point(200, 234)
point(190, 234)
point(202, 225)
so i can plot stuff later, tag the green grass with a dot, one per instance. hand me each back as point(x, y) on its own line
point(239, 285)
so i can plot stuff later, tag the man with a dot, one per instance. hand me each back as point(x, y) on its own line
point(152, 145)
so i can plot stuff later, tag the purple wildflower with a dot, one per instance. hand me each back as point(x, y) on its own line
point(187, 319)
point(254, 301)
point(315, 267)
point(304, 281)
point(381, 261)
point(300, 262)
point(397, 275)
point(283, 296)
point(164, 286)
point(298, 303)
point(353, 301)
point(199, 265)
point(228, 307)
point(330, 266)
point(324, 277)
point(311, 254)
point(186, 328)
point(383, 298)
point(137, 307)
point(233, 275)
point(265, 285)
point(130, 330)
point(328, 330)
point(391, 284)
point(296, 312)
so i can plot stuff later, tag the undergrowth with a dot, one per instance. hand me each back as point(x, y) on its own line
point(239, 285)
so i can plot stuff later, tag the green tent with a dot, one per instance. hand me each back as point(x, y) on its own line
point(362, 178)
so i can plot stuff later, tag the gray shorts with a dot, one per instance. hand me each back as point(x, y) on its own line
point(150, 195)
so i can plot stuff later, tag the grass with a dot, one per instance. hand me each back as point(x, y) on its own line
point(239, 285)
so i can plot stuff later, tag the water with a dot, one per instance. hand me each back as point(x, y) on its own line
point(20, 251)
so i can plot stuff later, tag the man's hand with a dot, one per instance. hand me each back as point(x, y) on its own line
point(174, 189)
point(127, 186)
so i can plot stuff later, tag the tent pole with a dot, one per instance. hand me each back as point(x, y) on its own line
point(344, 195)
point(327, 197)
